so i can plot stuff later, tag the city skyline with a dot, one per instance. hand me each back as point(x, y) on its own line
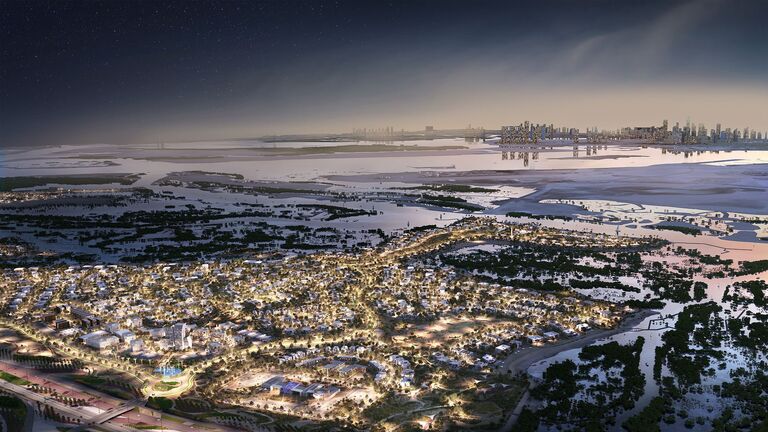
point(146, 72)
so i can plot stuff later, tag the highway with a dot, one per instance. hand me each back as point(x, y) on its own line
point(113, 415)
point(60, 407)
point(108, 415)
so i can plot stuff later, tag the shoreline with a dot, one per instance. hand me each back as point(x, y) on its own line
point(520, 361)
point(530, 356)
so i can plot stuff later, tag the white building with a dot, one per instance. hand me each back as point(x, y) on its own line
point(126, 336)
point(99, 340)
point(137, 346)
point(179, 336)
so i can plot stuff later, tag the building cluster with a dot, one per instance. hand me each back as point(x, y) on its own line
point(317, 328)
point(191, 309)
point(341, 362)
point(529, 133)
point(532, 134)
point(521, 316)
point(423, 293)
point(279, 385)
point(692, 134)
point(378, 134)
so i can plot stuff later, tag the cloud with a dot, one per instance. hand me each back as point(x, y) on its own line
point(645, 49)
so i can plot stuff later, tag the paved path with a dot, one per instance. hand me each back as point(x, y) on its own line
point(515, 414)
point(422, 408)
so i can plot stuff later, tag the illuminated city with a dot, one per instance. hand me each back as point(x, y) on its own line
point(328, 216)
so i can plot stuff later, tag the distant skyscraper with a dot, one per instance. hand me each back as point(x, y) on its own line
point(702, 134)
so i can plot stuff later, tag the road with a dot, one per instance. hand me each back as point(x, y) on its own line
point(515, 414)
point(102, 403)
point(109, 415)
point(520, 361)
point(58, 406)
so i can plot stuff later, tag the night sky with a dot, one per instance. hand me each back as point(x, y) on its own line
point(144, 71)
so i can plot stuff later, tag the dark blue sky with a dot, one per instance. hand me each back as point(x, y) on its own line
point(120, 71)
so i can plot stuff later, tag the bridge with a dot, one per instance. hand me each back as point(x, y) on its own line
point(108, 415)
point(74, 412)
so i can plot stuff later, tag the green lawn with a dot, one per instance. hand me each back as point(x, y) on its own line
point(482, 408)
point(13, 379)
point(142, 426)
point(166, 385)
point(102, 385)
point(383, 409)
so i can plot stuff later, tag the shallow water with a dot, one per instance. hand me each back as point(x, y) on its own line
point(234, 157)
point(380, 169)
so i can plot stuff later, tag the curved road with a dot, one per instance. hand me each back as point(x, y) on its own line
point(520, 361)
